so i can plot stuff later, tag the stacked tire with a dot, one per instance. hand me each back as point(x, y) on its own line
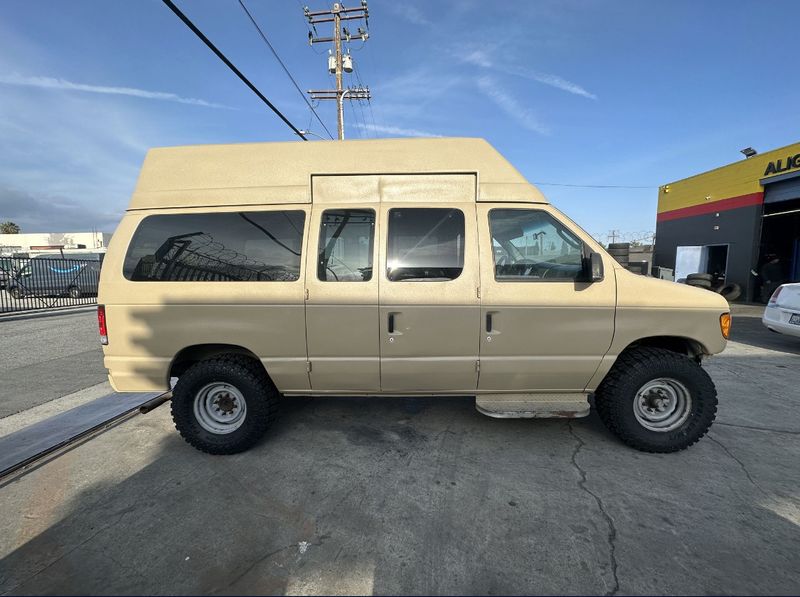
point(730, 292)
point(620, 252)
point(700, 280)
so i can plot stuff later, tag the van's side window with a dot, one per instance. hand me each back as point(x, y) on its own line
point(346, 243)
point(530, 245)
point(257, 246)
point(425, 245)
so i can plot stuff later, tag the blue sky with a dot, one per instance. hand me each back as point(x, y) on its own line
point(580, 92)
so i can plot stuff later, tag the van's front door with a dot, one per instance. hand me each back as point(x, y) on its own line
point(342, 299)
point(543, 329)
point(429, 307)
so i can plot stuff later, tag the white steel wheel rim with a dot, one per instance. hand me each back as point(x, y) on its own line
point(662, 404)
point(220, 408)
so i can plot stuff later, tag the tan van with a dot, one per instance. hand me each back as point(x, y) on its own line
point(389, 267)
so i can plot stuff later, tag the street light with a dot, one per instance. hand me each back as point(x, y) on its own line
point(748, 152)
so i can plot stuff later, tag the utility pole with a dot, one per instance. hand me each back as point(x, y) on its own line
point(337, 62)
point(612, 236)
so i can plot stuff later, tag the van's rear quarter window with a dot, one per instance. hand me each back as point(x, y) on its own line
point(257, 246)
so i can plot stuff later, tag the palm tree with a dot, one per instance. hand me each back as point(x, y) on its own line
point(9, 228)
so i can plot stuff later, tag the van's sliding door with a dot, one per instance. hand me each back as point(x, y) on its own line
point(429, 306)
point(342, 298)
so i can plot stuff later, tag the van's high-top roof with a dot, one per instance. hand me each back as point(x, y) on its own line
point(302, 171)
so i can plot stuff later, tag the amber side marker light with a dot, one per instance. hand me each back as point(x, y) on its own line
point(101, 323)
point(725, 325)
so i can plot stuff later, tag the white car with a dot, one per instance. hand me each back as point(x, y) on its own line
point(783, 310)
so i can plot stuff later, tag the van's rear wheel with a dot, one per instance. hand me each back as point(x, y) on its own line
point(74, 292)
point(224, 405)
point(656, 400)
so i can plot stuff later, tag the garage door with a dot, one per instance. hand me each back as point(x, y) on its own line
point(783, 189)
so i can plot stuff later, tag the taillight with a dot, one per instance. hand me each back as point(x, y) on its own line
point(101, 323)
point(774, 298)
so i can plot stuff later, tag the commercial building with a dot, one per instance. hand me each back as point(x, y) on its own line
point(38, 241)
point(740, 222)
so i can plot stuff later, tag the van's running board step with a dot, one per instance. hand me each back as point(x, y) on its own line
point(532, 406)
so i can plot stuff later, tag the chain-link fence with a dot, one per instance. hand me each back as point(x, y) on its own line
point(47, 282)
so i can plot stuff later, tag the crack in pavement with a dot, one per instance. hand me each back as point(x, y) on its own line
point(251, 567)
point(612, 529)
point(741, 464)
point(258, 561)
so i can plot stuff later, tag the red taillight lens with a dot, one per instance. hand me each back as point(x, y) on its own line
point(774, 298)
point(101, 323)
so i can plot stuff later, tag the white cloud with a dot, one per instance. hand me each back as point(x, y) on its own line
point(407, 85)
point(71, 158)
point(553, 81)
point(411, 97)
point(42, 212)
point(410, 13)
point(64, 85)
point(482, 58)
point(478, 58)
point(394, 130)
point(511, 106)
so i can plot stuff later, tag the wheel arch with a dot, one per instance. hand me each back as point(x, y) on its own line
point(679, 344)
point(188, 356)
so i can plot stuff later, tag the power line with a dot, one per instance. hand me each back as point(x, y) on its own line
point(360, 109)
point(368, 56)
point(592, 186)
point(369, 102)
point(286, 70)
point(230, 65)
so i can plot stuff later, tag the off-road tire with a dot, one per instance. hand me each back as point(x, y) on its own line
point(250, 379)
point(614, 399)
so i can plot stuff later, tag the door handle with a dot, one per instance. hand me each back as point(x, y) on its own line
point(391, 323)
point(490, 328)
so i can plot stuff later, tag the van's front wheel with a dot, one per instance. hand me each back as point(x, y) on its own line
point(656, 400)
point(224, 405)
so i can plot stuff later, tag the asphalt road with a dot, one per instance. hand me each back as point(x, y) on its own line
point(43, 358)
point(425, 496)
point(748, 329)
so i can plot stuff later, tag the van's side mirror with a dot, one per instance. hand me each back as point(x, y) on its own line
point(594, 267)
